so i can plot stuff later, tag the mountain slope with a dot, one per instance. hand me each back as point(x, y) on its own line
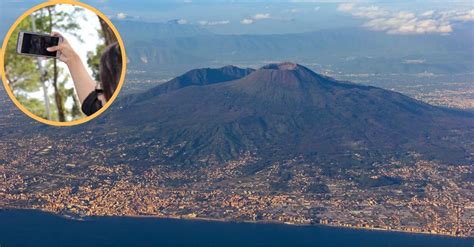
point(368, 51)
point(200, 77)
point(195, 77)
point(285, 110)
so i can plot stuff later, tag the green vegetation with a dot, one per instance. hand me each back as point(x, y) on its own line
point(41, 85)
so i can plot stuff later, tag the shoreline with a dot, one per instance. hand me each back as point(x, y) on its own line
point(224, 220)
point(284, 223)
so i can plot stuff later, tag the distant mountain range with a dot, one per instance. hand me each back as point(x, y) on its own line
point(283, 111)
point(165, 45)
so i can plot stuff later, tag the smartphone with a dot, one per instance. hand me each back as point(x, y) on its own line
point(35, 44)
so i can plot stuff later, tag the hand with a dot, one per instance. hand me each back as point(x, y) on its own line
point(83, 82)
point(67, 53)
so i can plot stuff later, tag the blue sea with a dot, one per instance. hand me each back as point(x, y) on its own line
point(39, 229)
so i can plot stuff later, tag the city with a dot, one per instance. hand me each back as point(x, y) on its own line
point(426, 197)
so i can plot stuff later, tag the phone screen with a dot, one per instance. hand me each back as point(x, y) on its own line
point(36, 44)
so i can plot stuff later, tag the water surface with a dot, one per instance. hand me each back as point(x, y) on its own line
point(34, 228)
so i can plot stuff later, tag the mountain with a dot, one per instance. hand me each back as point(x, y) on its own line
point(195, 77)
point(368, 51)
point(201, 77)
point(146, 41)
point(283, 111)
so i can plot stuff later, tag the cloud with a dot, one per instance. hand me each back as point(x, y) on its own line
point(414, 61)
point(405, 25)
point(370, 12)
point(247, 21)
point(428, 13)
point(317, 8)
point(213, 23)
point(121, 16)
point(345, 7)
point(466, 16)
point(405, 22)
point(255, 18)
point(261, 16)
point(182, 21)
point(405, 15)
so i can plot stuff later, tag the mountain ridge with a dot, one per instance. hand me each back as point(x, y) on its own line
point(286, 110)
point(368, 51)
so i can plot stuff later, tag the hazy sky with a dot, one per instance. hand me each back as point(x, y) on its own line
point(401, 17)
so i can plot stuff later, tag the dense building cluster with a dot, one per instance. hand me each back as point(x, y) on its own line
point(55, 176)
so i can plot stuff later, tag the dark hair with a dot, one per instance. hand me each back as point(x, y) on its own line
point(110, 69)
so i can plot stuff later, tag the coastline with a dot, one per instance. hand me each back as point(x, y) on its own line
point(287, 223)
point(224, 220)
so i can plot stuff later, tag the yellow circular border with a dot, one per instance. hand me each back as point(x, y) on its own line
point(10, 92)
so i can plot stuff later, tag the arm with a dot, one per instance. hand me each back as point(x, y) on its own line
point(83, 82)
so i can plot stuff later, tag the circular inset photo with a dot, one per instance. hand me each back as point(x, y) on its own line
point(63, 63)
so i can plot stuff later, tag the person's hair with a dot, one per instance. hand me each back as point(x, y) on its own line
point(110, 69)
